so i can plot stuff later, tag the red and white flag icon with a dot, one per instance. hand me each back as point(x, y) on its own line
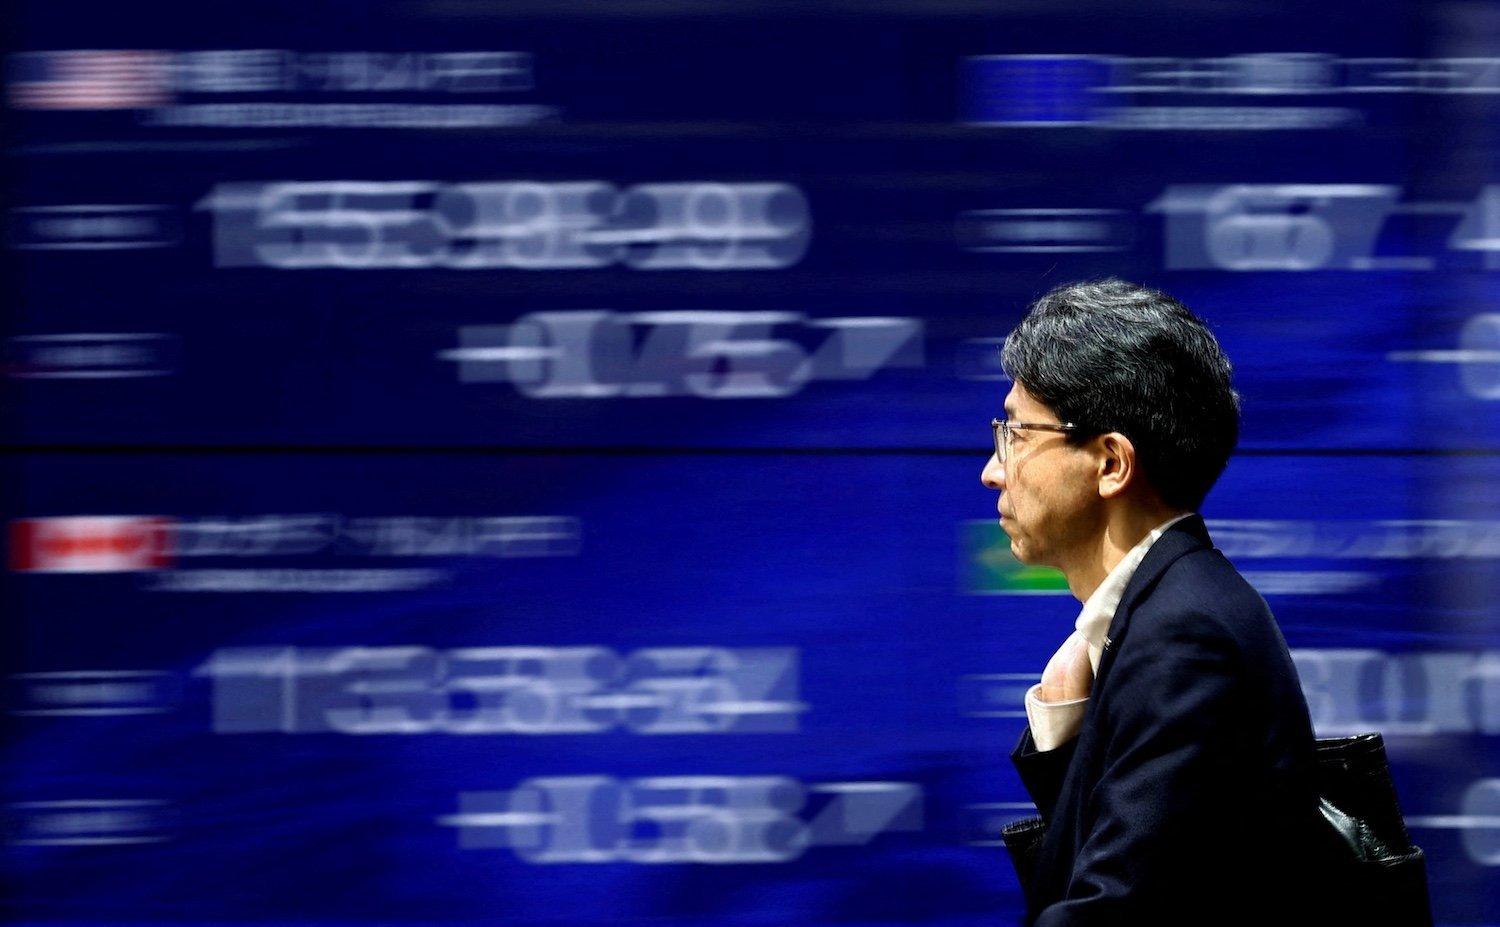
point(90, 544)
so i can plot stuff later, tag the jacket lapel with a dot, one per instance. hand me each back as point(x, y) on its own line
point(1186, 536)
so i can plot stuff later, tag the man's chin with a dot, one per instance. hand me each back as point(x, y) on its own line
point(1018, 548)
point(1026, 556)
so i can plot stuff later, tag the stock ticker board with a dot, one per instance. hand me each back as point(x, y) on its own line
point(473, 461)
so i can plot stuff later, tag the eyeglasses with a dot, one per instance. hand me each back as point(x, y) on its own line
point(1005, 431)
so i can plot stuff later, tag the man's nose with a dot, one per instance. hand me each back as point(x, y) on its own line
point(993, 474)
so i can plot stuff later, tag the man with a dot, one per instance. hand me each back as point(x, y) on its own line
point(1168, 749)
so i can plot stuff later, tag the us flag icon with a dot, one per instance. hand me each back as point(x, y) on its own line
point(90, 544)
point(85, 79)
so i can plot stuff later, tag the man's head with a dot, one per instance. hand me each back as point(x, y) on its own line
point(1112, 356)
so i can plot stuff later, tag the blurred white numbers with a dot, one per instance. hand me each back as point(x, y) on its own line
point(1302, 227)
point(1401, 694)
point(503, 690)
point(709, 354)
point(525, 225)
point(1479, 354)
point(1273, 226)
point(687, 819)
point(1480, 822)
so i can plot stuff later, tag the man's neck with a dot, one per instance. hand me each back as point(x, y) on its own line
point(1123, 528)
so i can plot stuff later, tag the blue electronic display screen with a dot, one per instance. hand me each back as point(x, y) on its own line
point(519, 462)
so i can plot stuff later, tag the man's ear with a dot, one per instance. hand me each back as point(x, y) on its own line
point(1118, 468)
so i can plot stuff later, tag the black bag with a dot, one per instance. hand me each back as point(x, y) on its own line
point(1372, 862)
point(1375, 875)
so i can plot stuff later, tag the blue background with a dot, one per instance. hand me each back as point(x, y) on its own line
point(832, 528)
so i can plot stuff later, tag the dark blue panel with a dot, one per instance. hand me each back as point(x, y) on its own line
point(518, 461)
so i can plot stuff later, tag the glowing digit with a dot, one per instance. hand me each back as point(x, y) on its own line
point(578, 825)
point(1479, 346)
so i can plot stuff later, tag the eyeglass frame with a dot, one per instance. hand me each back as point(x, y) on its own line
point(1006, 428)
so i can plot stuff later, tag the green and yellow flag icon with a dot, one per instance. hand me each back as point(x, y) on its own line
point(989, 568)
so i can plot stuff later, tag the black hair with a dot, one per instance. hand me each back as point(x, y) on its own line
point(1110, 355)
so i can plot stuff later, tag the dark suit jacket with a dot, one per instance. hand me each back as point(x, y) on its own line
point(1188, 796)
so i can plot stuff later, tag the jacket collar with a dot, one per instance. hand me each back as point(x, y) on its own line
point(1188, 535)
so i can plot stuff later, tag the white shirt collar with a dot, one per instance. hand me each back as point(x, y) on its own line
point(1093, 621)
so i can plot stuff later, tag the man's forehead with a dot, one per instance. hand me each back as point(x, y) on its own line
point(1019, 401)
